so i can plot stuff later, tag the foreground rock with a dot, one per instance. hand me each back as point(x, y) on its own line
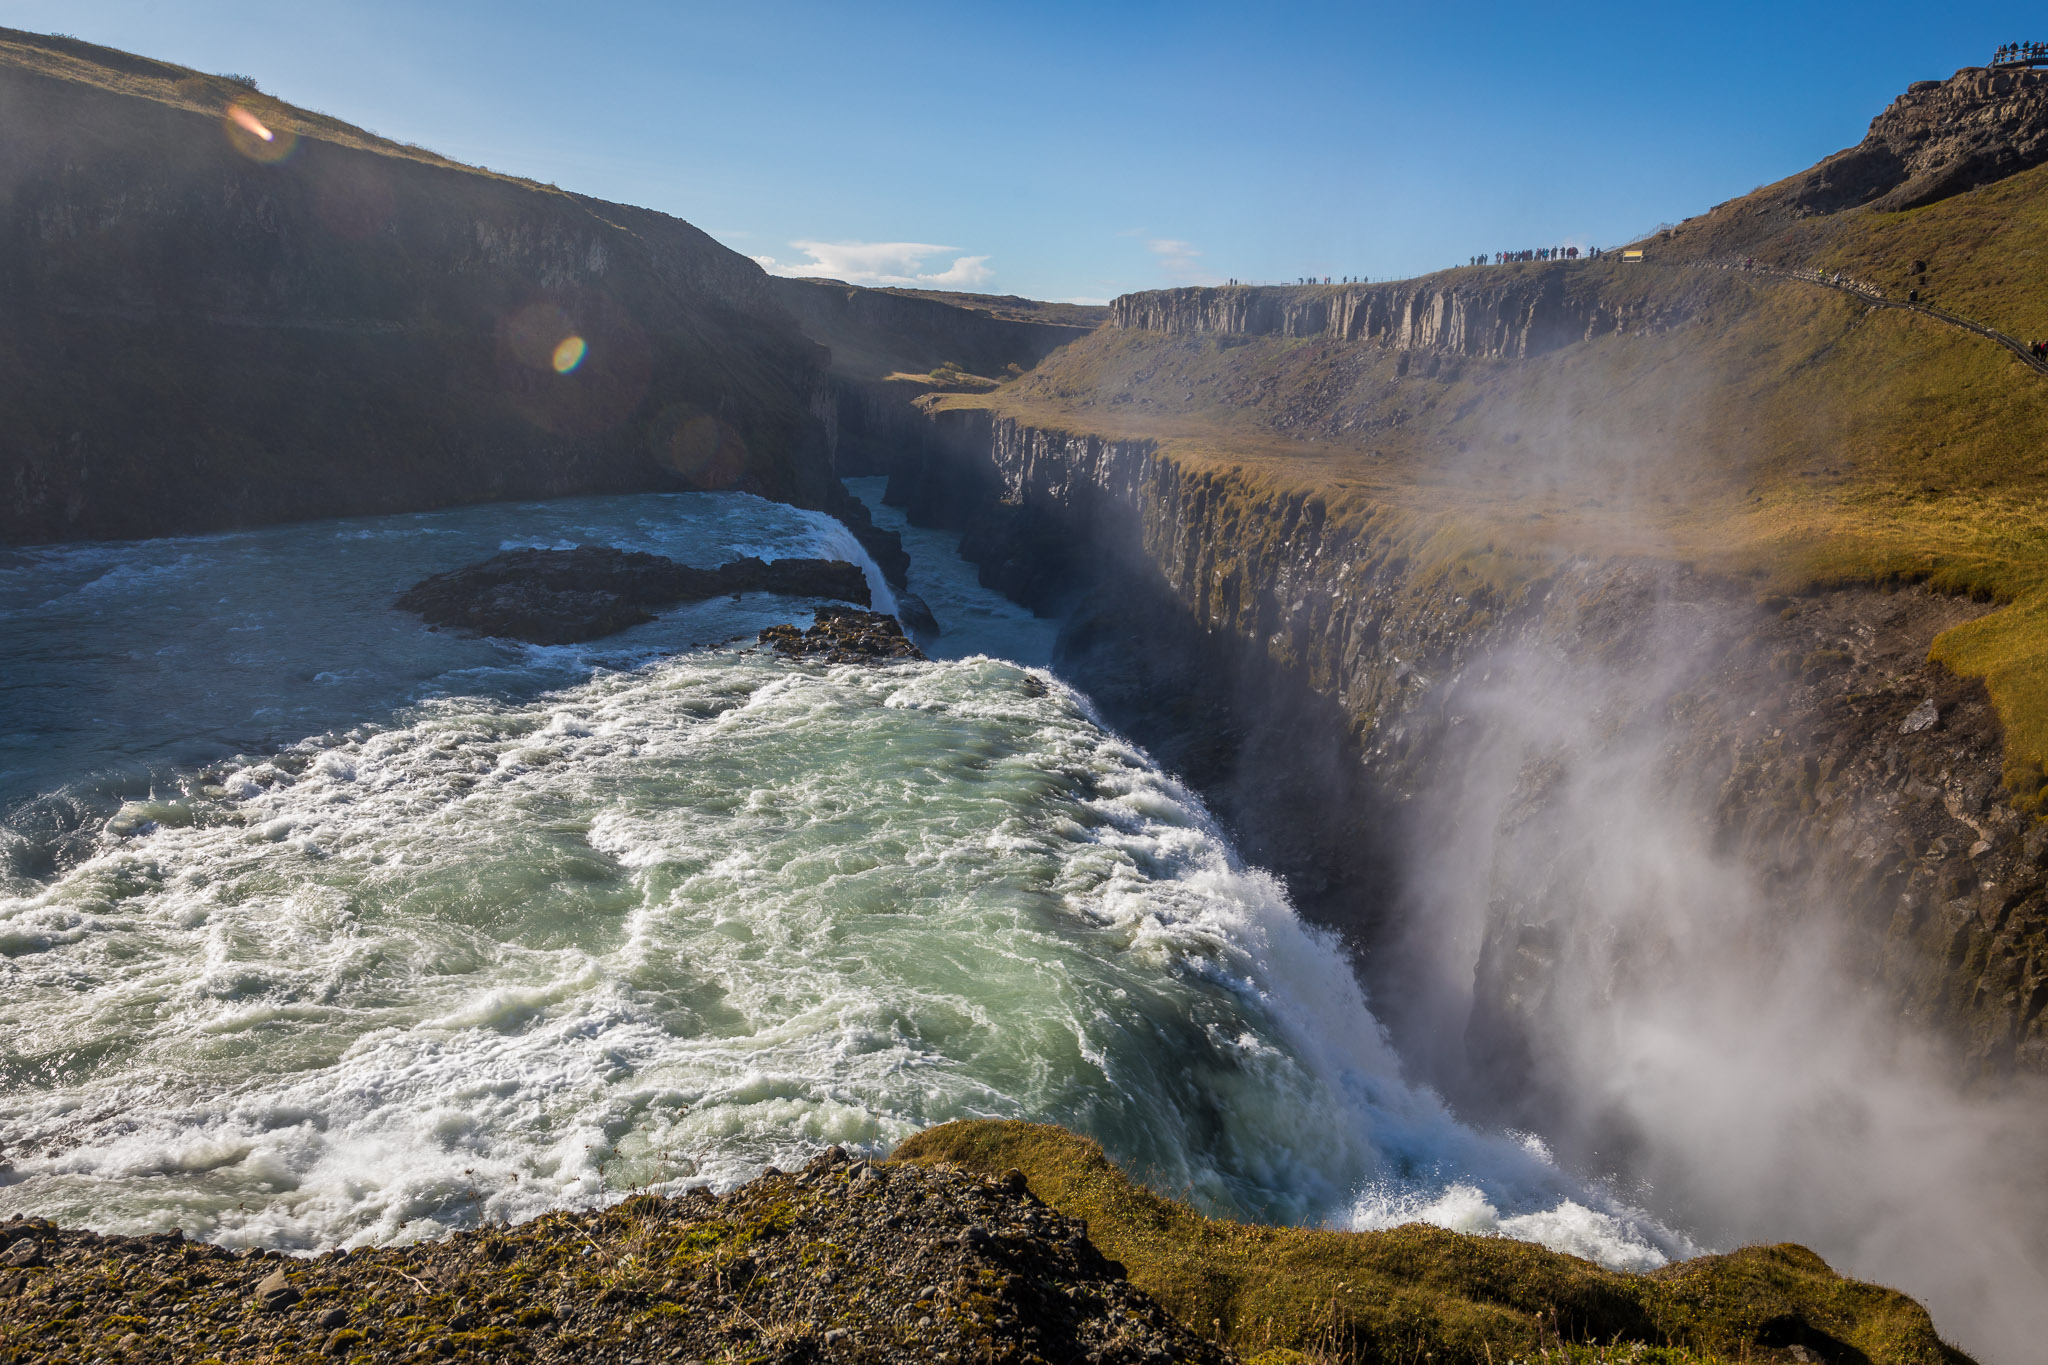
point(1310, 1296)
point(843, 636)
point(843, 1261)
point(559, 597)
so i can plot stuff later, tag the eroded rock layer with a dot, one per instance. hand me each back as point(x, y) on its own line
point(842, 1261)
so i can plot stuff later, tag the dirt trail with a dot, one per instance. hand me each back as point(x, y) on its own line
point(1870, 294)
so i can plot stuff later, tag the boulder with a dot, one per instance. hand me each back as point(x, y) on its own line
point(843, 635)
point(273, 1294)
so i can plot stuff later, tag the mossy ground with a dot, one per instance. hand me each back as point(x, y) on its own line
point(1420, 1293)
point(837, 1263)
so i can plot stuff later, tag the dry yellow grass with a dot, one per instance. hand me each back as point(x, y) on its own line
point(183, 88)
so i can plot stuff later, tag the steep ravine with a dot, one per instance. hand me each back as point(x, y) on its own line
point(1786, 726)
point(1720, 896)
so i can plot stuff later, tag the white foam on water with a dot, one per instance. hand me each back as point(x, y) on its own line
point(668, 926)
point(1618, 1240)
point(678, 919)
point(127, 664)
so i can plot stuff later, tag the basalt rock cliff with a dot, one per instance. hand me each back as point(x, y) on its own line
point(1938, 139)
point(1512, 316)
point(218, 310)
point(891, 347)
point(1249, 636)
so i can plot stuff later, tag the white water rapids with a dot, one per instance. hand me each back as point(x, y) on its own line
point(517, 929)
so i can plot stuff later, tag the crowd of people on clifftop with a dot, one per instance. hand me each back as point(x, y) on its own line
point(1541, 253)
point(2021, 52)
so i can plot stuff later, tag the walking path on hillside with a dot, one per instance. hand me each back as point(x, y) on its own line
point(1872, 295)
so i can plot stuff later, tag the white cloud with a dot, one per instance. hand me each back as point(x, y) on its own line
point(905, 264)
point(1182, 260)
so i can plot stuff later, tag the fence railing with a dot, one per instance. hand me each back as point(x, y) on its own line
point(1871, 294)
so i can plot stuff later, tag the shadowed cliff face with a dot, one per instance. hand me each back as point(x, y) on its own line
point(892, 347)
point(198, 330)
point(876, 332)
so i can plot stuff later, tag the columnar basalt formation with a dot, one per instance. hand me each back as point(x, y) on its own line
point(1515, 315)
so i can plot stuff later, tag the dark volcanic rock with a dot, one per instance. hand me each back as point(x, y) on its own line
point(916, 617)
point(558, 597)
point(842, 635)
point(884, 547)
point(1939, 138)
point(842, 1261)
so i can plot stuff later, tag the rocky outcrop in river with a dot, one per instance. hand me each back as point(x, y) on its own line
point(559, 597)
point(842, 635)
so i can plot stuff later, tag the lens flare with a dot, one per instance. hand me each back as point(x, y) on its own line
point(569, 354)
point(254, 138)
point(250, 123)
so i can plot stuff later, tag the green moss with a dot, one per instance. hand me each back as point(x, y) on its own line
point(1416, 1291)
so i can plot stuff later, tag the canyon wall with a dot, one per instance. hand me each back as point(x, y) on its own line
point(1811, 742)
point(1720, 898)
point(892, 347)
point(1514, 315)
point(875, 331)
point(201, 328)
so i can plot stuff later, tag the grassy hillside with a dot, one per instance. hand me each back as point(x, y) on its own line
point(1415, 1293)
point(125, 73)
point(1780, 431)
point(218, 310)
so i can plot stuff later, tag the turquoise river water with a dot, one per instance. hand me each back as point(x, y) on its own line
point(320, 928)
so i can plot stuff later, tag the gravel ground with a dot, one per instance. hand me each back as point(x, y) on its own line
point(843, 1261)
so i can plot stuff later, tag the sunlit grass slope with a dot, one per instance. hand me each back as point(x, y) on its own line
point(125, 73)
point(1780, 431)
point(1420, 1293)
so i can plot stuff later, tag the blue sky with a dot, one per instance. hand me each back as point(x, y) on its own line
point(1082, 150)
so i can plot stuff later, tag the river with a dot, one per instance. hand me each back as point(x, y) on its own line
point(322, 928)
